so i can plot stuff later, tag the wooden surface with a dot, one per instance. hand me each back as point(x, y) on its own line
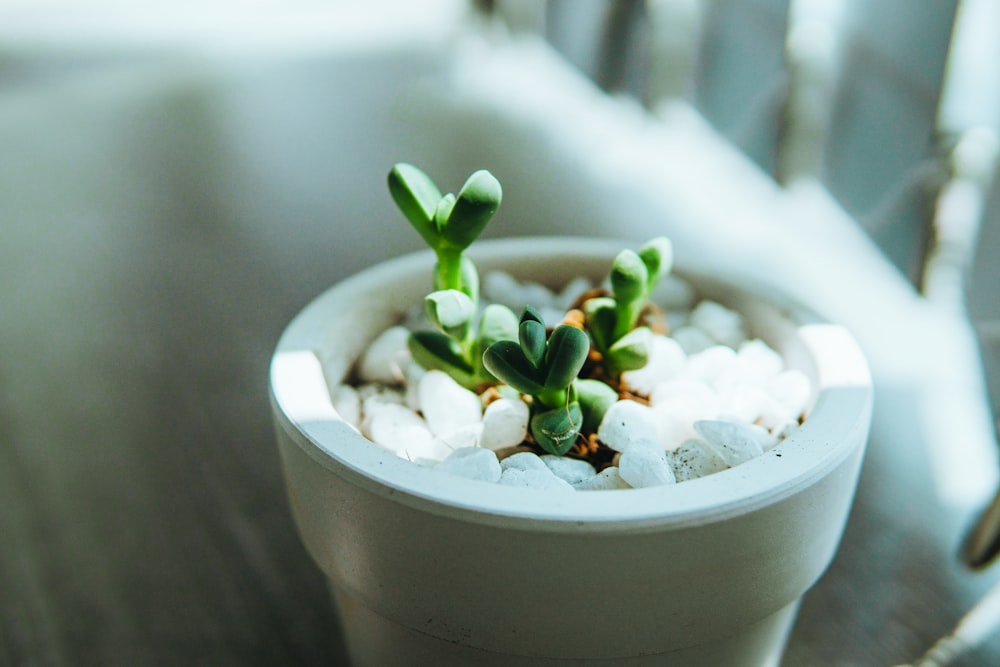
point(144, 519)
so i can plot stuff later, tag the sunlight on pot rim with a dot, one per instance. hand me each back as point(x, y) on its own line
point(836, 427)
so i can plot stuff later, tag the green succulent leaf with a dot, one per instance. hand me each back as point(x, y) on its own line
point(505, 360)
point(469, 277)
point(451, 311)
point(631, 351)
point(434, 350)
point(417, 197)
point(497, 323)
point(530, 313)
point(531, 335)
point(628, 277)
point(557, 429)
point(601, 317)
point(658, 256)
point(595, 398)
point(442, 212)
point(565, 354)
point(477, 201)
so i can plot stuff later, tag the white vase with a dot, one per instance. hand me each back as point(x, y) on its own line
point(429, 568)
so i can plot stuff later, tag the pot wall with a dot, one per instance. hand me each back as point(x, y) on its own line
point(707, 572)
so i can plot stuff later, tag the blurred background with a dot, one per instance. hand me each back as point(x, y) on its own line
point(178, 180)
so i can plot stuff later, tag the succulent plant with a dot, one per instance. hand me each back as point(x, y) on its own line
point(449, 225)
point(613, 320)
point(545, 367)
point(491, 345)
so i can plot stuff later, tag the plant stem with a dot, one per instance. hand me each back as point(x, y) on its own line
point(448, 270)
point(552, 398)
point(627, 315)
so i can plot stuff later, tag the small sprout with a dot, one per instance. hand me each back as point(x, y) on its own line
point(449, 225)
point(613, 320)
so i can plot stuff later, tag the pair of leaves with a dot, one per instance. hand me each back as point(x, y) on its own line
point(445, 222)
point(535, 364)
point(612, 320)
point(545, 367)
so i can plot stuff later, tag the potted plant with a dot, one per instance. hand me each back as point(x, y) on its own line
point(428, 565)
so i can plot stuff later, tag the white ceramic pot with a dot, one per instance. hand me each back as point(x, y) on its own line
point(428, 568)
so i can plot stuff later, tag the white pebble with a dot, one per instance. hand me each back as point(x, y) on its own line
point(677, 404)
point(500, 287)
point(735, 442)
point(447, 405)
point(542, 480)
point(606, 480)
point(472, 463)
point(759, 360)
point(645, 464)
point(429, 452)
point(707, 365)
point(666, 359)
point(396, 428)
point(571, 470)
point(783, 431)
point(505, 423)
point(524, 461)
point(538, 296)
point(744, 402)
point(378, 394)
point(791, 389)
point(346, 402)
point(385, 357)
point(411, 395)
point(722, 324)
point(464, 436)
point(692, 339)
point(571, 291)
point(695, 458)
point(673, 293)
point(624, 422)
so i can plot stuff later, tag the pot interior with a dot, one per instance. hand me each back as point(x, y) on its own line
point(335, 329)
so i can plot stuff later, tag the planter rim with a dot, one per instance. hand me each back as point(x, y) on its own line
point(835, 427)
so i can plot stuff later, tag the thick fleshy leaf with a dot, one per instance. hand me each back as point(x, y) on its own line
point(477, 201)
point(434, 350)
point(496, 323)
point(601, 317)
point(451, 311)
point(530, 313)
point(531, 335)
point(631, 351)
point(565, 355)
point(505, 360)
point(628, 277)
point(417, 197)
point(557, 429)
point(442, 212)
point(595, 398)
point(658, 256)
point(470, 278)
